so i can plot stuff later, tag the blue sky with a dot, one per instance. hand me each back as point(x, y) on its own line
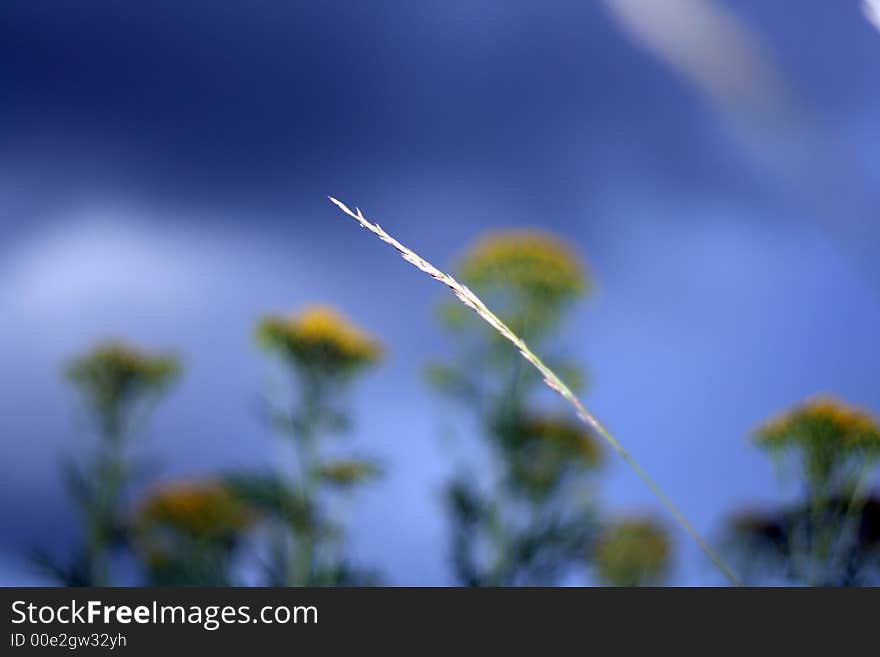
point(163, 177)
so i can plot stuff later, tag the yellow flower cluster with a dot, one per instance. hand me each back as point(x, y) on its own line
point(113, 369)
point(633, 552)
point(568, 437)
point(201, 510)
point(532, 261)
point(319, 336)
point(347, 472)
point(822, 421)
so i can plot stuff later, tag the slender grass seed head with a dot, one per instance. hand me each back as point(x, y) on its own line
point(475, 303)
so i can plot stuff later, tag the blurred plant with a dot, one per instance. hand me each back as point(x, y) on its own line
point(531, 519)
point(550, 377)
point(120, 385)
point(831, 535)
point(186, 533)
point(322, 352)
point(835, 444)
point(633, 552)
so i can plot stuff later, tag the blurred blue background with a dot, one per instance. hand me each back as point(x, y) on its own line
point(164, 169)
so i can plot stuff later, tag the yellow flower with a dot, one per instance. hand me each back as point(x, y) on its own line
point(532, 262)
point(822, 422)
point(568, 437)
point(544, 450)
point(201, 510)
point(319, 337)
point(633, 552)
point(114, 370)
point(347, 472)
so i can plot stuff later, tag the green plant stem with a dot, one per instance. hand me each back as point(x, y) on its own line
point(471, 300)
point(301, 565)
point(103, 516)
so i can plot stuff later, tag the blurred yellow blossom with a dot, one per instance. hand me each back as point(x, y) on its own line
point(569, 437)
point(114, 370)
point(822, 422)
point(348, 471)
point(533, 262)
point(321, 337)
point(202, 510)
point(633, 552)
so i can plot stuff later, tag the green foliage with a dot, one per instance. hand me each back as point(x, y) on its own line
point(835, 544)
point(270, 495)
point(543, 452)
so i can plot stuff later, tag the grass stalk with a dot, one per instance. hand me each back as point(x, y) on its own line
point(472, 301)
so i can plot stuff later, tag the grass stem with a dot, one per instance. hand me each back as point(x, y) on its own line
point(472, 301)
